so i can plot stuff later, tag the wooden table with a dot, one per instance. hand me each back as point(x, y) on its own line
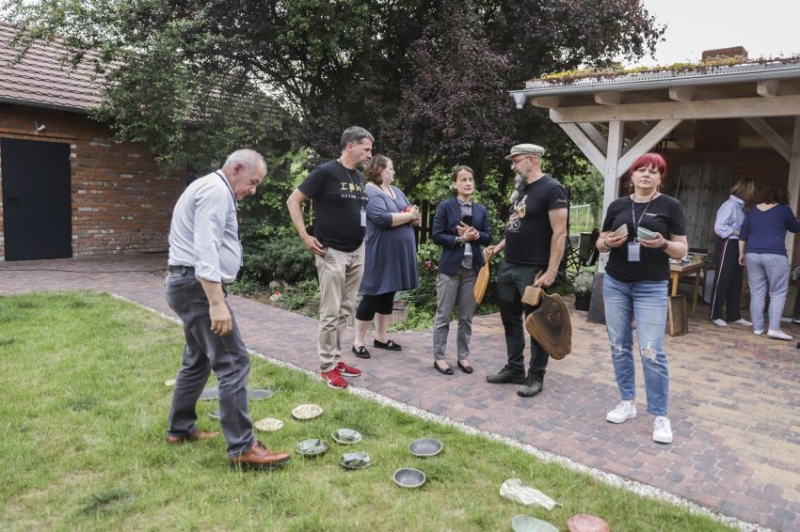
point(676, 271)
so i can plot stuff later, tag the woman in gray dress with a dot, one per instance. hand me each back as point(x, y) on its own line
point(390, 262)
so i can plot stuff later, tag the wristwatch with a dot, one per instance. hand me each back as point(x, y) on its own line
point(460, 240)
point(665, 246)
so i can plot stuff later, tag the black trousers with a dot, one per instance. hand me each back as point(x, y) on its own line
point(727, 288)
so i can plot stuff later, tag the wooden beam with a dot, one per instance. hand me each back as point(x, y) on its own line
point(692, 94)
point(700, 110)
point(595, 136)
point(612, 171)
point(775, 87)
point(794, 184)
point(547, 102)
point(609, 98)
point(772, 137)
point(653, 137)
point(585, 144)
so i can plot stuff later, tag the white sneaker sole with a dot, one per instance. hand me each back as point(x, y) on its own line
point(617, 420)
point(662, 439)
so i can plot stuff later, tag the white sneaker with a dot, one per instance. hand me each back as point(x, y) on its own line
point(719, 322)
point(622, 412)
point(662, 432)
point(743, 322)
point(758, 332)
point(778, 334)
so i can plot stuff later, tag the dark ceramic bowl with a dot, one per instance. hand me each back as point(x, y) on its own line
point(425, 447)
point(408, 477)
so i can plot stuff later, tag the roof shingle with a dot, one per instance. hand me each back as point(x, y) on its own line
point(41, 79)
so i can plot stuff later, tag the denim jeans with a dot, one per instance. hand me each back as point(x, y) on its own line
point(511, 282)
point(647, 302)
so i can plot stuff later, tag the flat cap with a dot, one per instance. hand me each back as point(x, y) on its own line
point(525, 149)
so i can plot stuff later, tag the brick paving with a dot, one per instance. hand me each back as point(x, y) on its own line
point(734, 398)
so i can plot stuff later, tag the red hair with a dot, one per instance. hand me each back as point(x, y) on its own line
point(648, 160)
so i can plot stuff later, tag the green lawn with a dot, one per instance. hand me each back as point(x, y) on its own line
point(83, 419)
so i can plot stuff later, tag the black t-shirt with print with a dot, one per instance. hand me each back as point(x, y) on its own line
point(339, 197)
point(528, 231)
point(664, 214)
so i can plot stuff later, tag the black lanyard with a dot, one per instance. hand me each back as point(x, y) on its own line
point(633, 214)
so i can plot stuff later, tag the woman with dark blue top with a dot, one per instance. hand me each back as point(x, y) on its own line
point(762, 249)
point(460, 226)
point(390, 258)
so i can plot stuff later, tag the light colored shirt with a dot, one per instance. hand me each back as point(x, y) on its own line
point(205, 232)
point(729, 218)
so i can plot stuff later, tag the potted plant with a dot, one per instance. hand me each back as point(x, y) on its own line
point(583, 283)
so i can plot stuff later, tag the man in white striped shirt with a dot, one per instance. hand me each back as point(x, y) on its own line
point(204, 253)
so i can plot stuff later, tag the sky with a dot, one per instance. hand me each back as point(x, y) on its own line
point(765, 28)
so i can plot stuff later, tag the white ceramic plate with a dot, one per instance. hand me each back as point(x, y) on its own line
point(306, 411)
point(169, 382)
point(268, 424)
point(346, 436)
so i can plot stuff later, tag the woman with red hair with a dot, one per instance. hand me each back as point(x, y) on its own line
point(635, 286)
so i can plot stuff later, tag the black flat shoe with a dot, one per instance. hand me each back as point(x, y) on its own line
point(465, 369)
point(390, 345)
point(361, 352)
point(447, 371)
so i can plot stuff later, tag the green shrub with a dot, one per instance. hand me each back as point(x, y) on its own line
point(283, 258)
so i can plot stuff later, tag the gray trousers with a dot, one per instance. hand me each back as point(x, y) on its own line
point(205, 351)
point(452, 289)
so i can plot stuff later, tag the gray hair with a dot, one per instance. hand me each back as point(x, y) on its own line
point(519, 186)
point(355, 135)
point(249, 158)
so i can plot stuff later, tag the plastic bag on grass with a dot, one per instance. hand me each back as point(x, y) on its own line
point(514, 490)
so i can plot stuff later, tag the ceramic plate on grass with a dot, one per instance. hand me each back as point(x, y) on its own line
point(306, 411)
point(346, 436)
point(214, 414)
point(425, 447)
point(257, 395)
point(408, 477)
point(169, 382)
point(526, 523)
point(355, 460)
point(587, 523)
point(312, 447)
point(268, 424)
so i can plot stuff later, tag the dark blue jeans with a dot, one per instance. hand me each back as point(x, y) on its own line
point(205, 351)
point(511, 282)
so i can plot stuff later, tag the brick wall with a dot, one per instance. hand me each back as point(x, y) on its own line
point(121, 201)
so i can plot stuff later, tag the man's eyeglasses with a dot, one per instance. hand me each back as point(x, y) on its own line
point(515, 162)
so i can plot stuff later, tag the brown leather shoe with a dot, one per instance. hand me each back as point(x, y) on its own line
point(259, 456)
point(194, 436)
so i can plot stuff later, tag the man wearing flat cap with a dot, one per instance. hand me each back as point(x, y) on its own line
point(534, 244)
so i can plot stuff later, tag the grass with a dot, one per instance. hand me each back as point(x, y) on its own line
point(83, 419)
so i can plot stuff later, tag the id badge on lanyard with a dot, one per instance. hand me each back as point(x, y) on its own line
point(634, 251)
point(363, 218)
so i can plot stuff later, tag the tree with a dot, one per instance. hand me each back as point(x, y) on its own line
point(428, 77)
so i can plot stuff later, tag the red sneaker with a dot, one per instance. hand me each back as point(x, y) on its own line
point(333, 378)
point(348, 371)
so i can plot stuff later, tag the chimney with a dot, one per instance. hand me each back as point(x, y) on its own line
point(736, 52)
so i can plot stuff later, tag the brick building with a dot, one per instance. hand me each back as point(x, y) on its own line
point(68, 188)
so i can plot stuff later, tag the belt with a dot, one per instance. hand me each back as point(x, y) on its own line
point(183, 270)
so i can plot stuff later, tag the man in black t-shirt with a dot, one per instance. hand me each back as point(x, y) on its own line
point(337, 188)
point(534, 243)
